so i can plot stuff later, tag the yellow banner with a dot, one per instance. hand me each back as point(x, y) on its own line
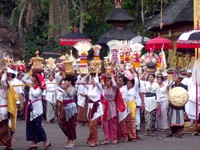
point(196, 18)
point(196, 12)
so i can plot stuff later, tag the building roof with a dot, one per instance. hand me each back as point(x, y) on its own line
point(119, 14)
point(115, 34)
point(176, 12)
point(123, 34)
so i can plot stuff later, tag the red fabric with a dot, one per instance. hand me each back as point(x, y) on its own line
point(188, 45)
point(158, 43)
point(120, 105)
point(41, 78)
point(105, 114)
point(35, 86)
point(103, 78)
point(72, 41)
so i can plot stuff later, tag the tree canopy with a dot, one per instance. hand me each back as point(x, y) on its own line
point(42, 22)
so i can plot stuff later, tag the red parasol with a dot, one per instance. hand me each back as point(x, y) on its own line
point(74, 37)
point(159, 43)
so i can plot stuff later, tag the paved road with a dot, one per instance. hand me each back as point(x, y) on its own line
point(58, 139)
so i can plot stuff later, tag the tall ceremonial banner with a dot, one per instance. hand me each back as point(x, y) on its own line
point(197, 19)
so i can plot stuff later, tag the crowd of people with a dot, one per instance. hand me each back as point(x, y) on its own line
point(116, 101)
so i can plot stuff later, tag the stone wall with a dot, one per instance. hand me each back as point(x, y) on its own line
point(10, 43)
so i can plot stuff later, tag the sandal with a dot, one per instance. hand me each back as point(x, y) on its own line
point(105, 142)
point(125, 140)
point(92, 144)
point(69, 146)
point(114, 142)
point(46, 147)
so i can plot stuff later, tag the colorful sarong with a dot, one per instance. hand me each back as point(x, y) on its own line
point(5, 137)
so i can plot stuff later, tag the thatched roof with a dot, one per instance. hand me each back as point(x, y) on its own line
point(177, 12)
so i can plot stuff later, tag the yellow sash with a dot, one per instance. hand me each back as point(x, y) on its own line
point(12, 98)
point(132, 106)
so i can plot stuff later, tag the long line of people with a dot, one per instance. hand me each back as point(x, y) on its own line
point(94, 99)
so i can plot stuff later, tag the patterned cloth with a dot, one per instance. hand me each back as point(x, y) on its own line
point(68, 127)
point(109, 96)
point(176, 117)
point(93, 136)
point(131, 127)
point(162, 122)
point(34, 130)
point(5, 137)
point(110, 128)
point(122, 132)
point(82, 113)
point(150, 119)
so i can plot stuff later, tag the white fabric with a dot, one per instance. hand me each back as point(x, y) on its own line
point(196, 72)
point(166, 82)
point(58, 77)
point(151, 102)
point(136, 87)
point(124, 92)
point(59, 95)
point(94, 94)
point(18, 89)
point(190, 106)
point(137, 118)
point(129, 97)
point(3, 98)
point(142, 86)
point(34, 94)
point(188, 82)
point(186, 35)
point(51, 91)
point(163, 98)
point(9, 70)
point(80, 90)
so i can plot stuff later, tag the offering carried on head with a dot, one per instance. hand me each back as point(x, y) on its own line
point(67, 64)
point(36, 62)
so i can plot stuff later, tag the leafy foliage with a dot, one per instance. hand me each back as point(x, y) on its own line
point(37, 38)
point(94, 20)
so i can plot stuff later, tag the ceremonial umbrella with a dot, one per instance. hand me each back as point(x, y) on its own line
point(159, 43)
point(136, 46)
point(74, 37)
point(188, 40)
point(139, 39)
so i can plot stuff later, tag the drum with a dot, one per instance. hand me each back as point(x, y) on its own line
point(178, 96)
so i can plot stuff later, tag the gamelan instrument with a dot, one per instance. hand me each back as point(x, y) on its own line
point(178, 96)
